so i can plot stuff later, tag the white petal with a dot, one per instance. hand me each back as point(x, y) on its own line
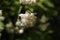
point(9, 25)
point(21, 31)
point(18, 22)
point(43, 19)
point(21, 14)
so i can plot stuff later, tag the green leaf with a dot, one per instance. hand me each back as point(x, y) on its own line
point(55, 13)
point(48, 3)
point(20, 9)
point(42, 6)
point(1, 24)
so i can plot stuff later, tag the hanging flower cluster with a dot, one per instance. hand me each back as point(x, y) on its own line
point(19, 27)
point(27, 1)
point(26, 20)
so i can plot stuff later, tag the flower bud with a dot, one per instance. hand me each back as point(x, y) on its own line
point(21, 31)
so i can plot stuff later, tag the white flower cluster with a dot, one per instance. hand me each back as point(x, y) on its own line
point(19, 30)
point(43, 19)
point(43, 25)
point(9, 27)
point(1, 23)
point(27, 1)
point(27, 20)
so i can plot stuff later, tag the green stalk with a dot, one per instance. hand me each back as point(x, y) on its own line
point(20, 9)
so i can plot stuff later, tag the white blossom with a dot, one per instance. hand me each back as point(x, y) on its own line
point(21, 31)
point(27, 1)
point(28, 19)
point(1, 17)
point(43, 19)
point(18, 22)
point(9, 27)
point(21, 24)
point(43, 27)
point(24, 1)
point(9, 24)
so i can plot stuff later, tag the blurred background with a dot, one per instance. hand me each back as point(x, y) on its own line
point(43, 19)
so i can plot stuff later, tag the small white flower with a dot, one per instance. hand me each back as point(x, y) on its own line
point(22, 24)
point(22, 1)
point(21, 31)
point(43, 27)
point(18, 22)
point(43, 19)
point(9, 27)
